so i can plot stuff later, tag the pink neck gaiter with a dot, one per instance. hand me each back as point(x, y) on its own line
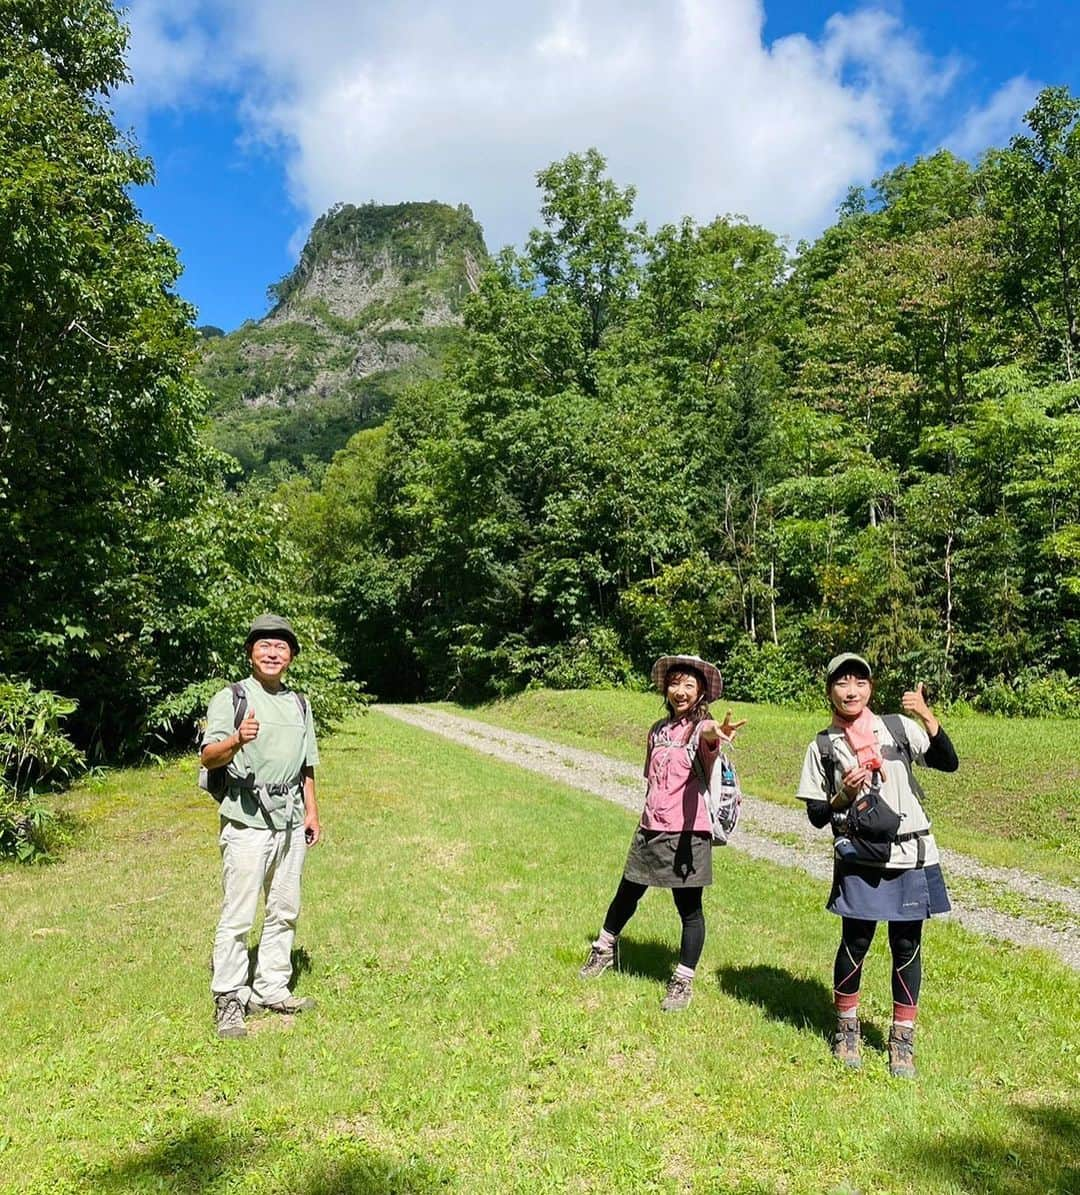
point(860, 737)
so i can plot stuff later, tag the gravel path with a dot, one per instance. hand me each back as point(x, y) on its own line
point(766, 831)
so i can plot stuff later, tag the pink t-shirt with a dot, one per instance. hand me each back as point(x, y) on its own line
point(674, 801)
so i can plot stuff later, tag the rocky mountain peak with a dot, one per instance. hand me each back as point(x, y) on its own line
point(373, 302)
point(415, 262)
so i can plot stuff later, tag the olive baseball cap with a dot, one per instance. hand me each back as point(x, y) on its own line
point(849, 661)
point(272, 626)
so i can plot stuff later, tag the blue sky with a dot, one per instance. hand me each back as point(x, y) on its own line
point(261, 113)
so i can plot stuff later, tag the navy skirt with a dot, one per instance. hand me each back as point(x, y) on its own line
point(887, 894)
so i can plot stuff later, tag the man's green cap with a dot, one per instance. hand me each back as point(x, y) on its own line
point(272, 626)
point(847, 661)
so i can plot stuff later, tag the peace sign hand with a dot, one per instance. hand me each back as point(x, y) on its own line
point(727, 728)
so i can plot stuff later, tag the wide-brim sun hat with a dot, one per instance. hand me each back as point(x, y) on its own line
point(847, 660)
point(714, 682)
point(272, 626)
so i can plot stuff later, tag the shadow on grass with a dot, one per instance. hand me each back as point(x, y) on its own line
point(648, 958)
point(301, 965)
point(193, 1160)
point(299, 960)
point(1038, 1155)
point(804, 1003)
point(209, 1155)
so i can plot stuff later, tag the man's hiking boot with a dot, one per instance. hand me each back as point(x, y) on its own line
point(902, 1051)
point(680, 992)
point(598, 962)
point(845, 1042)
point(290, 1005)
point(229, 1015)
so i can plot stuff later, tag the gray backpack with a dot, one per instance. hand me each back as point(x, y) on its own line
point(722, 792)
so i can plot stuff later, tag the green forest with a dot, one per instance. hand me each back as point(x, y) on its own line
point(692, 437)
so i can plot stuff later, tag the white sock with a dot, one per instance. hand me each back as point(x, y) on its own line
point(682, 972)
point(606, 941)
point(904, 1024)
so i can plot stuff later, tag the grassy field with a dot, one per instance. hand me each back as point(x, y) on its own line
point(454, 1048)
point(1014, 802)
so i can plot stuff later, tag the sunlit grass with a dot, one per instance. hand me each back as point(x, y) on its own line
point(454, 1048)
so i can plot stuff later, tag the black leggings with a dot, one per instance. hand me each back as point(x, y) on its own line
point(905, 942)
point(687, 901)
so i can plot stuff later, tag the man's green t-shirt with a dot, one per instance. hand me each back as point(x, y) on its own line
point(284, 747)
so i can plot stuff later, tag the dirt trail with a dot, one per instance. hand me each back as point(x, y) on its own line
point(766, 831)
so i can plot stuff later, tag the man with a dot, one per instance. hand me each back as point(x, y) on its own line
point(269, 818)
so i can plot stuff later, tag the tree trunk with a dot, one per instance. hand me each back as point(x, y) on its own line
point(1072, 332)
point(948, 604)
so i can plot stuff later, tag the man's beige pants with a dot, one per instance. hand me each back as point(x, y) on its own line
point(254, 861)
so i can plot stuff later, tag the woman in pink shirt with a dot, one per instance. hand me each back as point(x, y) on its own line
point(672, 846)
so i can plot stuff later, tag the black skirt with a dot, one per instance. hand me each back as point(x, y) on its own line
point(887, 893)
point(669, 860)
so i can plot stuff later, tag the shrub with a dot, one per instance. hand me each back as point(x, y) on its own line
point(1031, 694)
point(34, 753)
point(593, 659)
point(687, 607)
point(768, 673)
point(212, 583)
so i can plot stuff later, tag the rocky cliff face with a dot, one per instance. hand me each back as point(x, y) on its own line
point(403, 265)
point(373, 302)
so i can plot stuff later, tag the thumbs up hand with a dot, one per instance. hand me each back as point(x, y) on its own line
point(248, 730)
point(914, 702)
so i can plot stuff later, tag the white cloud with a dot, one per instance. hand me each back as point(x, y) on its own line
point(565, 39)
point(173, 55)
point(466, 102)
point(996, 121)
point(873, 47)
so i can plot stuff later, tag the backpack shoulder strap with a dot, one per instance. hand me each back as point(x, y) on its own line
point(650, 741)
point(301, 701)
point(828, 762)
point(239, 702)
point(894, 724)
point(654, 728)
point(697, 764)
